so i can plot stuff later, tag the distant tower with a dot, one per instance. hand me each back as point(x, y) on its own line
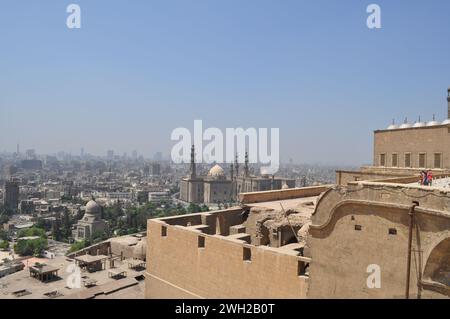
point(246, 171)
point(192, 170)
point(233, 186)
point(18, 149)
point(236, 165)
point(448, 101)
point(11, 195)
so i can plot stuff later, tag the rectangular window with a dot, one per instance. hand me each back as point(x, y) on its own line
point(163, 231)
point(201, 242)
point(358, 227)
point(382, 159)
point(407, 159)
point(437, 160)
point(302, 268)
point(247, 254)
point(394, 160)
point(422, 160)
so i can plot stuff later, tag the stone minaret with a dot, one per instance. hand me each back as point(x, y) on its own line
point(233, 184)
point(192, 171)
point(246, 171)
point(236, 165)
point(448, 101)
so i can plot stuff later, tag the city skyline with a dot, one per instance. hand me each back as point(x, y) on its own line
point(132, 74)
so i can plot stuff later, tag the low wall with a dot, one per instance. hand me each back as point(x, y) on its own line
point(268, 196)
point(178, 266)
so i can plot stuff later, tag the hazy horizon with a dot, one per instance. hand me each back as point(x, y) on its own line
point(136, 71)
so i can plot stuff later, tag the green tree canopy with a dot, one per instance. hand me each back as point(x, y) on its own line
point(4, 244)
point(33, 231)
point(31, 247)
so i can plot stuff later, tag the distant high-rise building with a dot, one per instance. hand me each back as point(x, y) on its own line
point(11, 195)
point(134, 155)
point(11, 170)
point(82, 152)
point(31, 164)
point(110, 154)
point(158, 157)
point(30, 154)
point(156, 169)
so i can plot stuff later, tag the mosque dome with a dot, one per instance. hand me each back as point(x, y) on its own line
point(93, 208)
point(446, 122)
point(216, 172)
point(405, 125)
point(392, 127)
point(419, 123)
point(433, 123)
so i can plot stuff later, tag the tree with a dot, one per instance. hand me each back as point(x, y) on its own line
point(4, 218)
point(98, 236)
point(66, 225)
point(4, 244)
point(3, 235)
point(30, 247)
point(33, 231)
point(56, 228)
point(193, 208)
point(79, 245)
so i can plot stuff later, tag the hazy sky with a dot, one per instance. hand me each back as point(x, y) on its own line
point(138, 69)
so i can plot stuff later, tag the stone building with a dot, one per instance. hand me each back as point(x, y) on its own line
point(365, 227)
point(216, 187)
point(91, 223)
point(402, 150)
point(378, 233)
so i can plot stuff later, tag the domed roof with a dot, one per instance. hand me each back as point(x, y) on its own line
point(419, 124)
point(405, 125)
point(392, 127)
point(92, 207)
point(285, 186)
point(447, 121)
point(216, 172)
point(433, 123)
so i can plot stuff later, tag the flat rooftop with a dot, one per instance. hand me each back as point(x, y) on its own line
point(105, 287)
point(91, 259)
point(287, 203)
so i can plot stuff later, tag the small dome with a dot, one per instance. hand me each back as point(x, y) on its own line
point(392, 127)
point(446, 122)
point(405, 125)
point(419, 124)
point(92, 207)
point(216, 172)
point(285, 186)
point(433, 123)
